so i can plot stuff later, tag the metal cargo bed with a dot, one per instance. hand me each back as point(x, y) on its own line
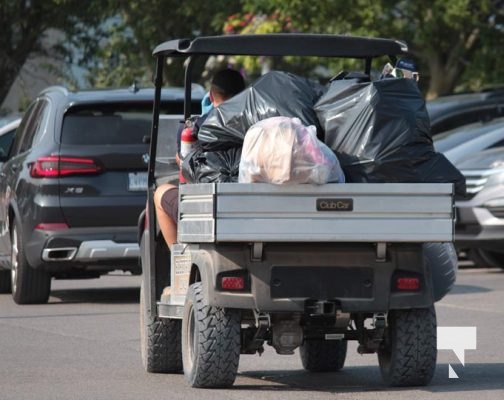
point(350, 212)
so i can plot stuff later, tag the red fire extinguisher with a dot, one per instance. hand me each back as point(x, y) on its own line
point(187, 144)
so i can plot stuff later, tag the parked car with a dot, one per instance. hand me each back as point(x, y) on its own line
point(7, 119)
point(7, 132)
point(465, 141)
point(74, 183)
point(478, 151)
point(450, 112)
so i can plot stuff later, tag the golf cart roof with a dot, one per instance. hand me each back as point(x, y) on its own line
point(283, 44)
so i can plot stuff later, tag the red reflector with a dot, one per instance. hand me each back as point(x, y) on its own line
point(233, 282)
point(408, 283)
point(51, 226)
point(56, 166)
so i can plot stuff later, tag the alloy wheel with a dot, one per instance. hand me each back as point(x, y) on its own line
point(14, 259)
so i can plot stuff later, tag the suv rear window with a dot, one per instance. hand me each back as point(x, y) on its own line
point(104, 127)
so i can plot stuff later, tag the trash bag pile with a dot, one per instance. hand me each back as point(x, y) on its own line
point(274, 94)
point(285, 129)
point(379, 131)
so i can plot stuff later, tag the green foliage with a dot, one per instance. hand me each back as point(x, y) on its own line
point(458, 44)
point(24, 25)
point(126, 55)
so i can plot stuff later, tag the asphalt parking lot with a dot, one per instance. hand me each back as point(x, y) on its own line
point(84, 344)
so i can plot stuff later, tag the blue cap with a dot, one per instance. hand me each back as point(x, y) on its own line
point(407, 64)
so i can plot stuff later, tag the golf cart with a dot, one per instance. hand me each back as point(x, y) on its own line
point(297, 267)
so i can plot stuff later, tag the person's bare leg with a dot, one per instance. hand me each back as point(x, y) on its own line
point(166, 224)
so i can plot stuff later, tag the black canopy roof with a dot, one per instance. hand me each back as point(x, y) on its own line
point(283, 44)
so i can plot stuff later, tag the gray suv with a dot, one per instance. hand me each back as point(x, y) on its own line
point(73, 184)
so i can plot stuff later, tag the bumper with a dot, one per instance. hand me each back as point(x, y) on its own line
point(477, 227)
point(85, 248)
point(290, 275)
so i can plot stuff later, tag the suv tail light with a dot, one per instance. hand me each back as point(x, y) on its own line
point(57, 166)
point(51, 226)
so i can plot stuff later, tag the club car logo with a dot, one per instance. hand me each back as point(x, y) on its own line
point(334, 204)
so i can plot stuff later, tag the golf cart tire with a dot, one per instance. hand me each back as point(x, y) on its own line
point(408, 355)
point(160, 341)
point(210, 342)
point(323, 355)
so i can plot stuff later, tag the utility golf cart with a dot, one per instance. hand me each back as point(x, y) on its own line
point(305, 267)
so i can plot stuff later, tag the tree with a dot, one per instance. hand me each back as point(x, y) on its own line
point(458, 44)
point(23, 28)
point(141, 25)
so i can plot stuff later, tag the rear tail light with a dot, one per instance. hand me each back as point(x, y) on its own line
point(235, 280)
point(52, 226)
point(407, 283)
point(57, 166)
point(233, 283)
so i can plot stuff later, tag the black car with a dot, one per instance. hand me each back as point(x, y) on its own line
point(453, 111)
point(73, 183)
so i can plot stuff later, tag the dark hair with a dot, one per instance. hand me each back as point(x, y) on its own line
point(228, 82)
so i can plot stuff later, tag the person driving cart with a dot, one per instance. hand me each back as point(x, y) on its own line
point(225, 84)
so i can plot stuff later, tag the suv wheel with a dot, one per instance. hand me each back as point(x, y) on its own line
point(159, 340)
point(408, 354)
point(323, 355)
point(210, 342)
point(29, 286)
point(486, 259)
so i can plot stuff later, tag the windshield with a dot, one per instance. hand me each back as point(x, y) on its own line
point(97, 127)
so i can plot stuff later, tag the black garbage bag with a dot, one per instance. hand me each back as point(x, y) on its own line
point(380, 132)
point(276, 93)
point(201, 166)
point(442, 260)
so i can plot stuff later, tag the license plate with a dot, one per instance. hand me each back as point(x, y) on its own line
point(137, 181)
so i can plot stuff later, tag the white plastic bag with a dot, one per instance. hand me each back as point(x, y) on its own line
point(281, 150)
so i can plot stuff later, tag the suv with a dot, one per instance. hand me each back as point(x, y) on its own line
point(73, 185)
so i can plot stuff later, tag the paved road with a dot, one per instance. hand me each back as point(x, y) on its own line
point(84, 344)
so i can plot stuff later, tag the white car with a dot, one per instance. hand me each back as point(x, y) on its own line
point(477, 150)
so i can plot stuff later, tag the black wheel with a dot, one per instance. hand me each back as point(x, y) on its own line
point(29, 286)
point(486, 259)
point(5, 281)
point(210, 342)
point(323, 355)
point(408, 355)
point(160, 342)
